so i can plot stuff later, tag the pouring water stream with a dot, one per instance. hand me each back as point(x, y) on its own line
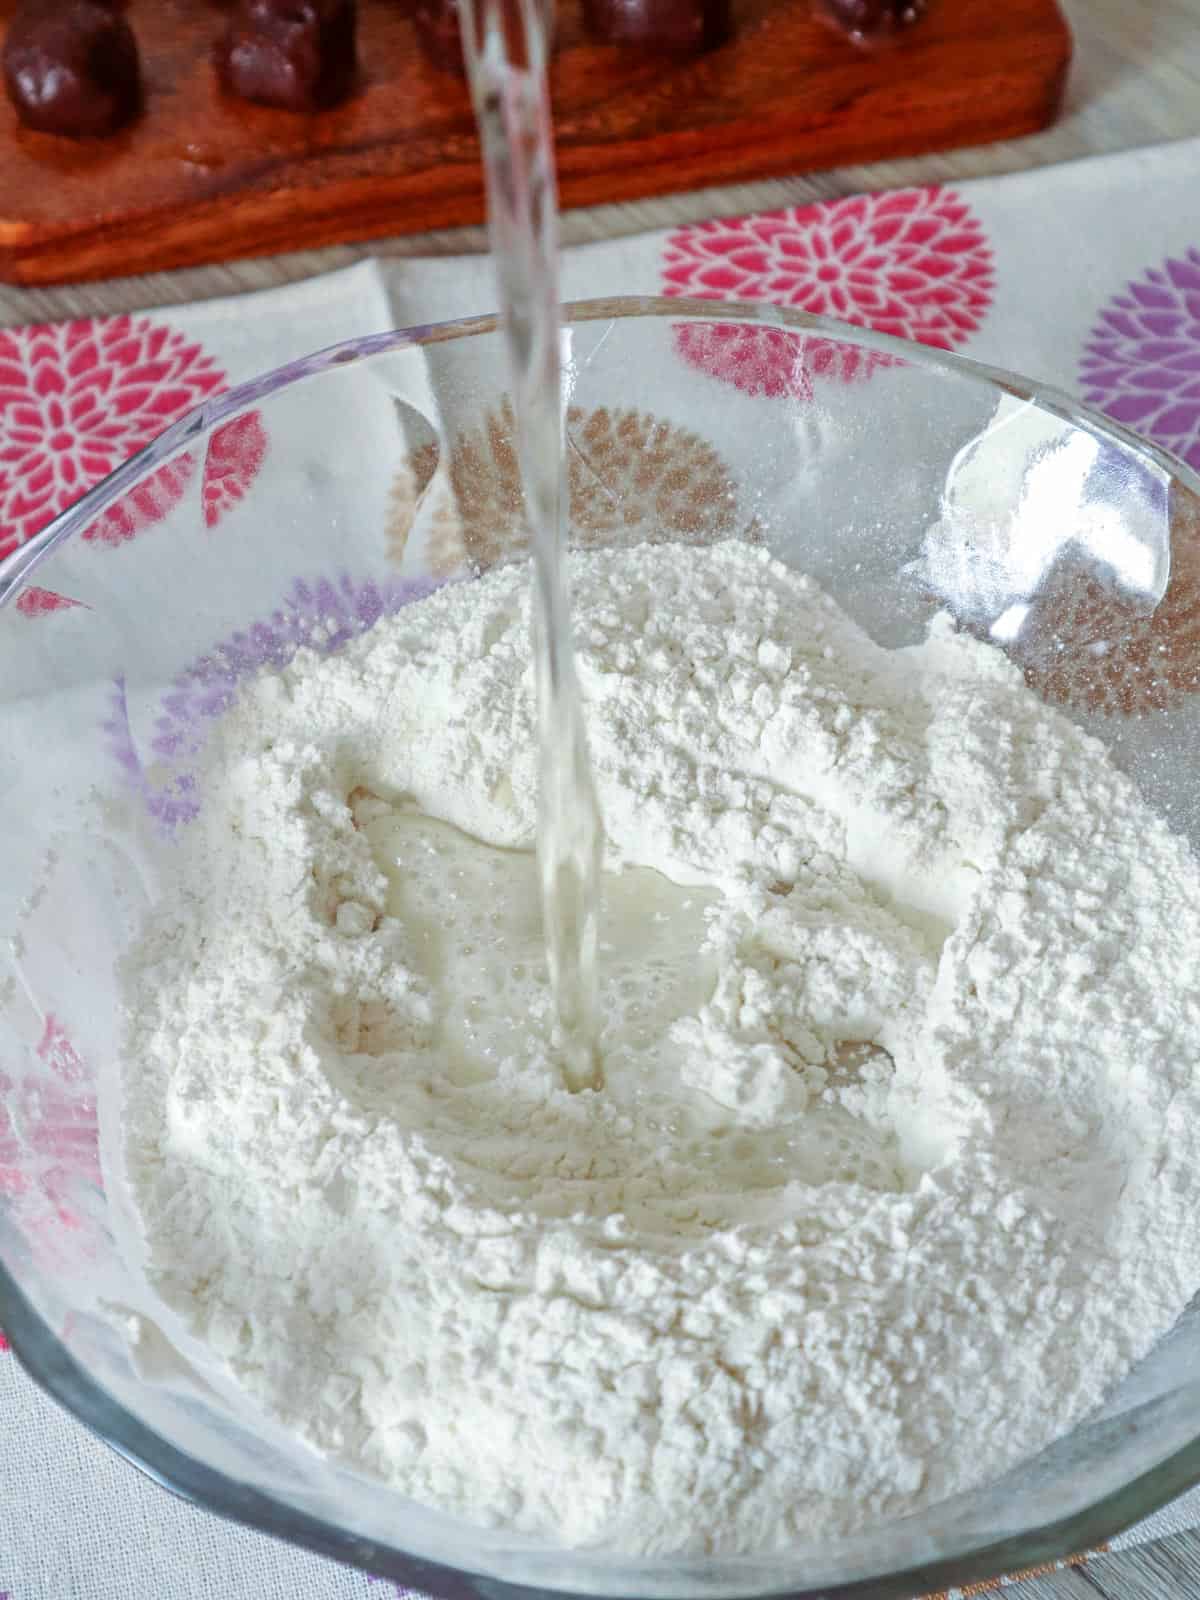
point(506, 51)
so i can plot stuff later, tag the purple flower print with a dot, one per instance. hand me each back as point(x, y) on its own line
point(322, 614)
point(1141, 362)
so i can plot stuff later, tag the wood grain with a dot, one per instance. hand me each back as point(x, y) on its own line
point(202, 176)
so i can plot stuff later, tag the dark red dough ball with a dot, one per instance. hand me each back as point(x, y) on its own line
point(660, 24)
point(867, 19)
point(71, 66)
point(298, 54)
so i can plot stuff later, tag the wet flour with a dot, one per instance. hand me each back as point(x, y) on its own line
point(893, 1174)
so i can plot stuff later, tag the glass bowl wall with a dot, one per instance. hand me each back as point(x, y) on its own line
point(307, 504)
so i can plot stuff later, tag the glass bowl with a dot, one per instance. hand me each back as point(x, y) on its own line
point(305, 505)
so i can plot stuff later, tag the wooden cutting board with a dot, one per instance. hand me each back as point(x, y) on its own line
point(204, 177)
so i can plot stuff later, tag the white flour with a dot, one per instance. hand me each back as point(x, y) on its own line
point(767, 1284)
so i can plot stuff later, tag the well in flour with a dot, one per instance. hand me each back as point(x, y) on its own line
point(900, 1053)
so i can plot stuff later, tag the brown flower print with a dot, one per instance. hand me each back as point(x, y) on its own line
point(1087, 648)
point(411, 480)
point(632, 478)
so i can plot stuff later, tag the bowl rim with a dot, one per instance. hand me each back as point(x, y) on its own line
point(17, 567)
point(63, 1378)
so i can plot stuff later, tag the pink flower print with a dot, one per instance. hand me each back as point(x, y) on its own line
point(3, 1347)
point(762, 361)
point(77, 399)
point(142, 507)
point(914, 263)
point(49, 1136)
point(33, 602)
point(59, 1054)
point(1141, 362)
point(235, 453)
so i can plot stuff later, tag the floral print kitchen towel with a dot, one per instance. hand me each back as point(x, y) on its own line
point(1086, 275)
